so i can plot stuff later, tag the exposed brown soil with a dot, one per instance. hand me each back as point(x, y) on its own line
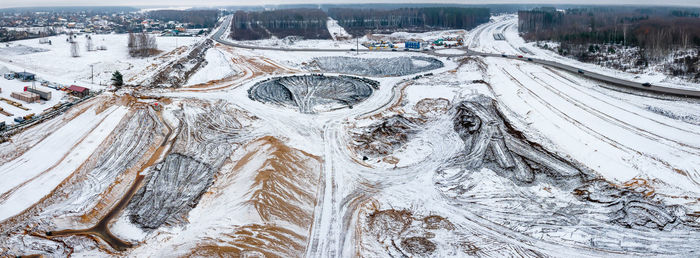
point(288, 174)
point(418, 246)
point(404, 233)
point(437, 222)
point(430, 106)
point(384, 137)
point(390, 222)
point(254, 241)
point(283, 192)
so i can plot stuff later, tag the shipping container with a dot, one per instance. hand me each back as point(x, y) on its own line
point(43, 94)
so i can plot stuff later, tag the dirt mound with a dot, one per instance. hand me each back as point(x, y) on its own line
point(418, 246)
point(313, 93)
point(430, 106)
point(437, 222)
point(278, 188)
point(395, 66)
point(384, 137)
point(401, 233)
point(284, 188)
point(206, 135)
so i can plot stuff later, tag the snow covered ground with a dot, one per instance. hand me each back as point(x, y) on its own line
point(218, 67)
point(488, 157)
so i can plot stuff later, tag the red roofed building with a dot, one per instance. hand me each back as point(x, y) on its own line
point(78, 91)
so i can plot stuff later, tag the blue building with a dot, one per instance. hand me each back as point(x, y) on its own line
point(413, 44)
point(25, 76)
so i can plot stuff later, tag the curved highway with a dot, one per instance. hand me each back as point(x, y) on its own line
point(586, 73)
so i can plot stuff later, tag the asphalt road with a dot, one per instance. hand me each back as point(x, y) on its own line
point(586, 73)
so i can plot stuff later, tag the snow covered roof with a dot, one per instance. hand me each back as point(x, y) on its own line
point(24, 74)
point(77, 88)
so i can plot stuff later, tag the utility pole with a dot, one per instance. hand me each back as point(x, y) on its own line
point(357, 48)
point(92, 74)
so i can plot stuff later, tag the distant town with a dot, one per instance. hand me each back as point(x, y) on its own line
point(26, 24)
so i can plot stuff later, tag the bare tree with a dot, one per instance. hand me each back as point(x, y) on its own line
point(142, 45)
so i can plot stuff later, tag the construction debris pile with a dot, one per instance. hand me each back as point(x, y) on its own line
point(383, 137)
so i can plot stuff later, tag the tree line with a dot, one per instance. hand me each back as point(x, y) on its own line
point(307, 23)
point(359, 22)
point(656, 32)
point(198, 18)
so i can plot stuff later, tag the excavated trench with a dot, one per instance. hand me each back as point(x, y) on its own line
point(395, 66)
point(313, 93)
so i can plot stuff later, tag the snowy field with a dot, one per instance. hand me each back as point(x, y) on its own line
point(54, 62)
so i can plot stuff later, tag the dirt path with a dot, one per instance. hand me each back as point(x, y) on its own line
point(101, 229)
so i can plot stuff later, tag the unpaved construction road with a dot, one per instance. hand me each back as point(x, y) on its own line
point(499, 53)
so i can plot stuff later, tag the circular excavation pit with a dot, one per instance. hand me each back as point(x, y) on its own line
point(376, 67)
point(313, 93)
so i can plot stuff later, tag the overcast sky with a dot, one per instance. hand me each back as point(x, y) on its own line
point(24, 3)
